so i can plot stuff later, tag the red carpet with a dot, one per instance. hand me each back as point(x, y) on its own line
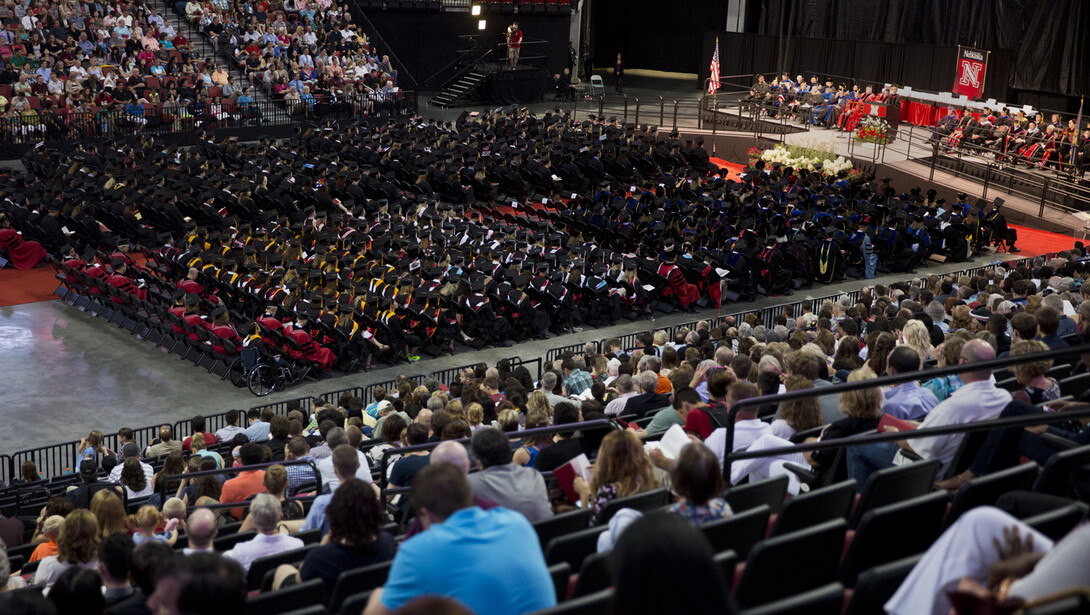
point(17, 287)
point(1033, 242)
point(732, 169)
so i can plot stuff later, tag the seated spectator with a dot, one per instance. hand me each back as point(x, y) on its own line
point(247, 482)
point(510, 485)
point(115, 566)
point(465, 553)
point(109, 511)
point(336, 437)
point(907, 401)
point(532, 446)
point(131, 450)
point(410, 463)
point(200, 530)
point(23, 254)
point(165, 445)
point(797, 415)
point(197, 424)
point(190, 584)
point(133, 479)
point(621, 469)
point(77, 546)
point(662, 550)
point(228, 432)
point(51, 528)
point(355, 537)
point(147, 521)
point(266, 513)
point(275, 481)
point(697, 480)
point(566, 446)
point(80, 496)
point(989, 553)
point(345, 465)
point(78, 589)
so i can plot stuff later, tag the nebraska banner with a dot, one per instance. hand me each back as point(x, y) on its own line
point(972, 67)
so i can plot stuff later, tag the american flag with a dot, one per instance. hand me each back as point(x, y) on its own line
point(713, 84)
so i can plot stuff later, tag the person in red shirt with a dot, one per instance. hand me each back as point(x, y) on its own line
point(514, 43)
point(248, 482)
point(197, 423)
point(699, 422)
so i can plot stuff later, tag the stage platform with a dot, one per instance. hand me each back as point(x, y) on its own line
point(518, 86)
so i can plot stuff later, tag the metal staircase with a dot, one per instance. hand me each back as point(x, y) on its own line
point(460, 90)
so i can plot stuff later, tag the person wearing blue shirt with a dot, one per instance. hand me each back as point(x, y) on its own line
point(908, 401)
point(488, 560)
point(258, 431)
point(246, 104)
point(345, 464)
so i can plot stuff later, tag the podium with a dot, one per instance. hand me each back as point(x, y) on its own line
point(889, 110)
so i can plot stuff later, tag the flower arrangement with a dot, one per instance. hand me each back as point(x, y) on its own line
point(873, 129)
point(806, 158)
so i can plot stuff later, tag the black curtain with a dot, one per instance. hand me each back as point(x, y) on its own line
point(1048, 41)
point(654, 34)
point(924, 67)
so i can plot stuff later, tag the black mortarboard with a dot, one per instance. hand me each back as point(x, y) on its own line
point(192, 299)
point(219, 310)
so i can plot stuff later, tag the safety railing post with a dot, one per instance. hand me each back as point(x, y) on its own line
point(625, 107)
point(675, 115)
point(662, 109)
point(637, 120)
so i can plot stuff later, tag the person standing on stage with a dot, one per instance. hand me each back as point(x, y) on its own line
point(618, 74)
point(514, 43)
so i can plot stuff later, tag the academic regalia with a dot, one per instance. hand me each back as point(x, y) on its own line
point(23, 254)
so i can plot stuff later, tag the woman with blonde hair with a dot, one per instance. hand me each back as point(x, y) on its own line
point(539, 401)
point(77, 545)
point(198, 447)
point(147, 520)
point(961, 318)
point(917, 337)
point(861, 408)
point(110, 512)
point(622, 469)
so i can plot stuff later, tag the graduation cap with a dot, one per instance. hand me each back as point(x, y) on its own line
point(192, 299)
point(178, 295)
point(219, 311)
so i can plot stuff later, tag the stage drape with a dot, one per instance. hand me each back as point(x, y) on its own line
point(1048, 40)
point(653, 34)
point(924, 67)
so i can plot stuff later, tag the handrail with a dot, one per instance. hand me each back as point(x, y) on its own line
point(552, 429)
point(458, 73)
point(755, 402)
point(250, 468)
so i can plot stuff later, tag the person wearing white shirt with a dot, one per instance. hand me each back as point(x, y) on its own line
point(265, 512)
point(978, 399)
point(131, 450)
point(334, 438)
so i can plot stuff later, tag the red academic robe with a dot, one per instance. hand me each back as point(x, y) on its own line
point(228, 333)
point(22, 254)
point(679, 287)
point(196, 321)
point(311, 351)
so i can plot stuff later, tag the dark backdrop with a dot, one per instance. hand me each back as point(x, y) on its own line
point(426, 42)
point(924, 67)
point(653, 34)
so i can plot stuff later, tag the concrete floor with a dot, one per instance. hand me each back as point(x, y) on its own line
point(65, 372)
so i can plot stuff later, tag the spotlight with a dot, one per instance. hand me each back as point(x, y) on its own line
point(476, 10)
point(482, 24)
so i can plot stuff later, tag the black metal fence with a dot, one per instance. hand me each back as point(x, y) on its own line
point(33, 126)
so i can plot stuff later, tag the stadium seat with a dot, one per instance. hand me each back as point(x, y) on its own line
point(358, 580)
point(738, 532)
point(825, 600)
point(985, 490)
point(818, 506)
point(1055, 477)
point(876, 586)
point(558, 525)
point(792, 563)
point(314, 609)
point(1069, 605)
point(643, 502)
point(261, 565)
point(769, 492)
point(561, 575)
point(891, 532)
point(226, 543)
point(727, 562)
point(890, 485)
point(298, 596)
point(354, 604)
point(594, 604)
point(593, 575)
point(1075, 386)
point(1056, 524)
point(573, 548)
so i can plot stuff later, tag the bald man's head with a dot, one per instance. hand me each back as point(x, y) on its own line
point(976, 351)
point(201, 528)
point(453, 453)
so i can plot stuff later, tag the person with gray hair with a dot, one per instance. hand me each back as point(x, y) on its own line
point(265, 512)
point(1067, 324)
point(938, 315)
point(649, 401)
point(625, 386)
point(590, 349)
point(759, 333)
point(548, 385)
point(692, 339)
point(649, 362)
point(723, 356)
